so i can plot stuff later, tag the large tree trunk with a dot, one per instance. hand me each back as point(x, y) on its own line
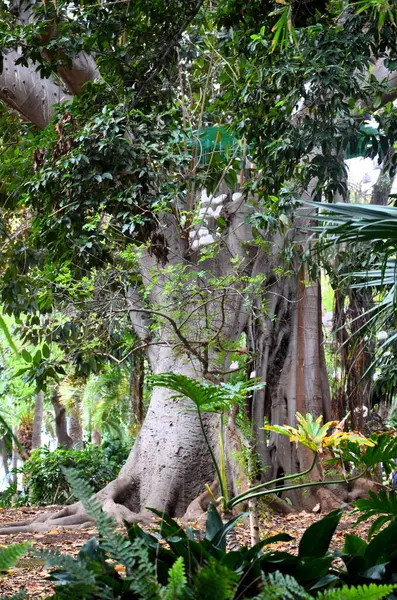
point(38, 420)
point(137, 377)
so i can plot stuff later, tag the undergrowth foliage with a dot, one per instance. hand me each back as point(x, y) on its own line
point(176, 564)
point(45, 480)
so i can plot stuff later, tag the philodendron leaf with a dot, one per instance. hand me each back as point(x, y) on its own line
point(214, 523)
point(316, 539)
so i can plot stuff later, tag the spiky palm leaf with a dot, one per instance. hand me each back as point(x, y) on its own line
point(359, 223)
point(106, 402)
point(377, 227)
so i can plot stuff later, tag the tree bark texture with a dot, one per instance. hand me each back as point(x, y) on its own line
point(63, 438)
point(4, 456)
point(75, 422)
point(38, 420)
point(137, 377)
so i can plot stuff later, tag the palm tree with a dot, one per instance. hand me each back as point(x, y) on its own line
point(374, 227)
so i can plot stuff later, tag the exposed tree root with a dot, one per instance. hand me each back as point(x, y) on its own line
point(70, 517)
point(75, 516)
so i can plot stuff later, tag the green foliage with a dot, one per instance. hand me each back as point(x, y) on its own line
point(361, 592)
point(176, 581)
point(383, 451)
point(10, 556)
point(11, 496)
point(315, 436)
point(45, 480)
point(382, 505)
point(282, 587)
point(206, 396)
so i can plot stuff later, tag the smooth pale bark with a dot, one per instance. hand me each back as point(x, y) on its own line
point(26, 92)
point(137, 376)
point(38, 420)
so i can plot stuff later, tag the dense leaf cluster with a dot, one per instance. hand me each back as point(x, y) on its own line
point(45, 481)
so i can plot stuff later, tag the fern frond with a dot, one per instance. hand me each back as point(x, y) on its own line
point(282, 587)
point(362, 592)
point(215, 582)
point(207, 397)
point(116, 545)
point(176, 581)
point(10, 556)
point(75, 568)
point(143, 581)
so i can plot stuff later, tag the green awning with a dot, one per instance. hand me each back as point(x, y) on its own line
point(218, 140)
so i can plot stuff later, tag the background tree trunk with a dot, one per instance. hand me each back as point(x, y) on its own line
point(15, 456)
point(4, 456)
point(63, 437)
point(38, 420)
point(96, 437)
point(75, 426)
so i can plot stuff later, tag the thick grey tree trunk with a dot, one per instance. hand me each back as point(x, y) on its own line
point(38, 420)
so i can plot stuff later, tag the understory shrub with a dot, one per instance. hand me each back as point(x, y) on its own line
point(193, 566)
point(44, 476)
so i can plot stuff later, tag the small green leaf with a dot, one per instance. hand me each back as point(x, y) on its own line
point(26, 356)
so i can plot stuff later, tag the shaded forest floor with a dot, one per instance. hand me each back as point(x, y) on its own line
point(33, 577)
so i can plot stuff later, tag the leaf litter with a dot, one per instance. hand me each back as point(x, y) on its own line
point(31, 574)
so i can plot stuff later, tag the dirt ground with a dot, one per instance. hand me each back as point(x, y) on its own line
point(31, 575)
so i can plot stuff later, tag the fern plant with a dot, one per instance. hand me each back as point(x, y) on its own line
point(10, 556)
point(361, 592)
point(177, 581)
point(139, 567)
